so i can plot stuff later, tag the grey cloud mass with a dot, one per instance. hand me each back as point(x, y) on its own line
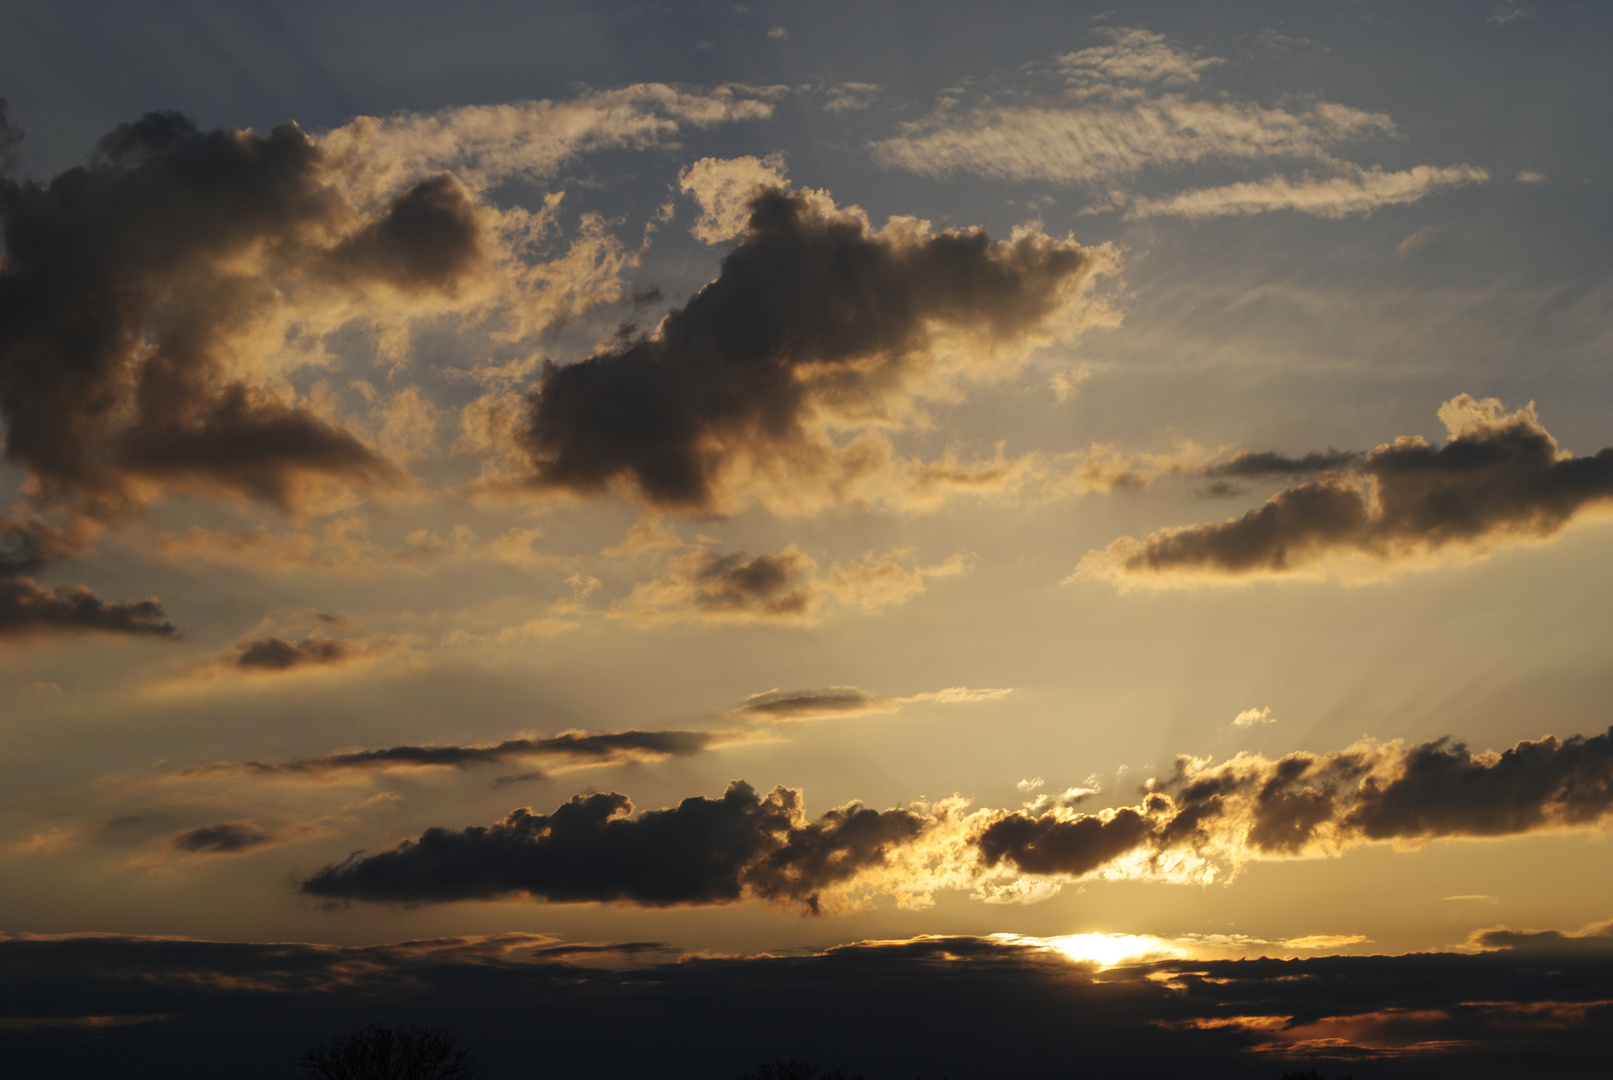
point(573, 747)
point(225, 838)
point(812, 317)
point(161, 1004)
point(1501, 478)
point(702, 851)
point(276, 654)
point(1208, 818)
point(29, 545)
point(132, 286)
point(1201, 823)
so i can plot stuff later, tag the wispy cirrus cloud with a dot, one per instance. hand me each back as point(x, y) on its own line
point(558, 753)
point(848, 702)
point(1124, 112)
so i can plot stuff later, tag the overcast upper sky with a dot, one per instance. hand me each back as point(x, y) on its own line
point(1131, 479)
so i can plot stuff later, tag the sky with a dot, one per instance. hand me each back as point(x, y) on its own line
point(815, 524)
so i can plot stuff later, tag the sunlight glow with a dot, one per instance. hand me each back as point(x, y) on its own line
point(1103, 950)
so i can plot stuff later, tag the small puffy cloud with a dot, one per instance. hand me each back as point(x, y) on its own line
point(850, 96)
point(272, 654)
point(1254, 717)
point(1511, 11)
point(724, 189)
point(1132, 56)
point(707, 585)
point(1528, 177)
point(1500, 479)
point(237, 838)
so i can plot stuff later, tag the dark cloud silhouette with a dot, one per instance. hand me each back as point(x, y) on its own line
point(276, 654)
point(1589, 940)
point(225, 838)
point(1501, 478)
point(768, 584)
point(29, 545)
point(1048, 844)
point(1208, 818)
point(803, 704)
point(1200, 823)
point(572, 747)
point(135, 288)
point(163, 1005)
point(702, 851)
point(812, 318)
point(1250, 466)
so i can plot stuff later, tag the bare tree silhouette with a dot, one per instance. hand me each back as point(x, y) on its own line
point(382, 1053)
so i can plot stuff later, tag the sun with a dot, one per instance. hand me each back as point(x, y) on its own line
point(1102, 950)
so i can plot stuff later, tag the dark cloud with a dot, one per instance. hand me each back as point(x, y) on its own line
point(1251, 466)
point(812, 317)
point(770, 585)
point(134, 288)
point(225, 838)
point(805, 704)
point(1207, 818)
point(702, 851)
point(572, 747)
point(166, 1007)
point(29, 545)
point(1500, 478)
point(1199, 824)
point(1048, 844)
point(276, 654)
point(28, 608)
point(1596, 938)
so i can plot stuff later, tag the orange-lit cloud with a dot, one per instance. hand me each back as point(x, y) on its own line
point(1200, 824)
point(1500, 480)
point(28, 609)
point(777, 381)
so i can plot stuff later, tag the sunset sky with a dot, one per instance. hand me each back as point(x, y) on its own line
point(749, 502)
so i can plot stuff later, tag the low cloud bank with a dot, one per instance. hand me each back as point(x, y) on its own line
point(92, 1005)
